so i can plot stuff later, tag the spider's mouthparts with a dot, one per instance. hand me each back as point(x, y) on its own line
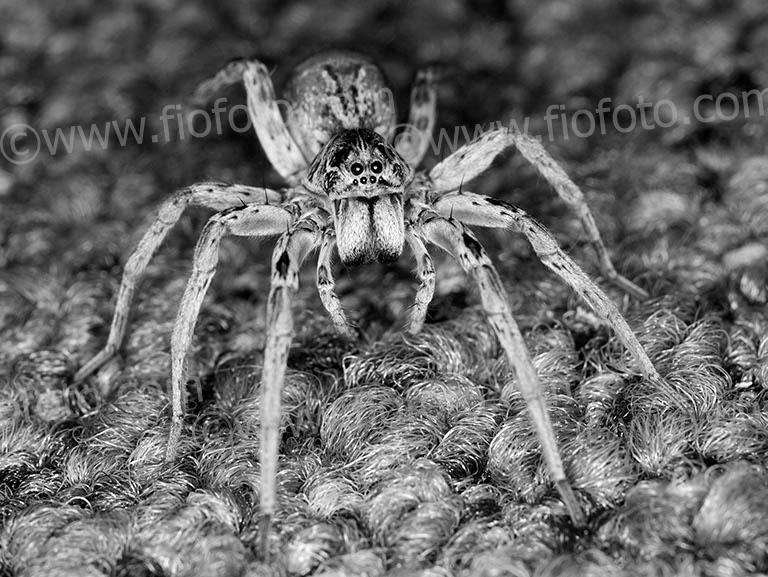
point(369, 229)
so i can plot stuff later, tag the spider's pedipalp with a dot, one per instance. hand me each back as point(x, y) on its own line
point(256, 221)
point(478, 210)
point(287, 258)
point(326, 284)
point(413, 142)
point(214, 195)
point(425, 272)
point(281, 150)
point(472, 159)
point(454, 238)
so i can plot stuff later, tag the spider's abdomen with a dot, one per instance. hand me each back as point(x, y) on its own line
point(335, 91)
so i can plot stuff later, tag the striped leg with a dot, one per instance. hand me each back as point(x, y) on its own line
point(453, 237)
point(214, 195)
point(474, 158)
point(478, 210)
point(287, 258)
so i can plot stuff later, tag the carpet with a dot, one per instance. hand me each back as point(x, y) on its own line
point(401, 454)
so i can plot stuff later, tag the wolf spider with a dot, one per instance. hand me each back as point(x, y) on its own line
point(351, 188)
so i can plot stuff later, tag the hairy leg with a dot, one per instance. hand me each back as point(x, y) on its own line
point(453, 237)
point(326, 285)
point(474, 158)
point(478, 210)
point(264, 111)
point(413, 142)
point(245, 221)
point(287, 258)
point(469, 161)
point(425, 272)
point(215, 195)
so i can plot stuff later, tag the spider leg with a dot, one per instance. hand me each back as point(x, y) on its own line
point(478, 210)
point(469, 161)
point(243, 221)
point(413, 142)
point(278, 145)
point(472, 159)
point(214, 195)
point(287, 258)
point(425, 272)
point(326, 284)
point(453, 237)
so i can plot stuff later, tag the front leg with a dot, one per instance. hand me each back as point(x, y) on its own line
point(454, 238)
point(478, 210)
point(215, 195)
point(283, 153)
point(471, 160)
point(287, 258)
point(245, 221)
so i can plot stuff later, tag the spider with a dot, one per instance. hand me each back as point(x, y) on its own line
point(353, 189)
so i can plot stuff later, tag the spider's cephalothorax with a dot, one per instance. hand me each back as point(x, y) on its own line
point(336, 91)
point(364, 179)
point(349, 189)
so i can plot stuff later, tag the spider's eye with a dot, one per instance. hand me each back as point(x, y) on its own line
point(376, 167)
point(356, 168)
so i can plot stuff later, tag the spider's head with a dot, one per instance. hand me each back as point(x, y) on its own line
point(358, 163)
point(364, 178)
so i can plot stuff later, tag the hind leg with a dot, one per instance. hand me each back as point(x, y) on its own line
point(263, 109)
point(413, 142)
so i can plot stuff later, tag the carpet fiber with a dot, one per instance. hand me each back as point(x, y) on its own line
point(401, 455)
